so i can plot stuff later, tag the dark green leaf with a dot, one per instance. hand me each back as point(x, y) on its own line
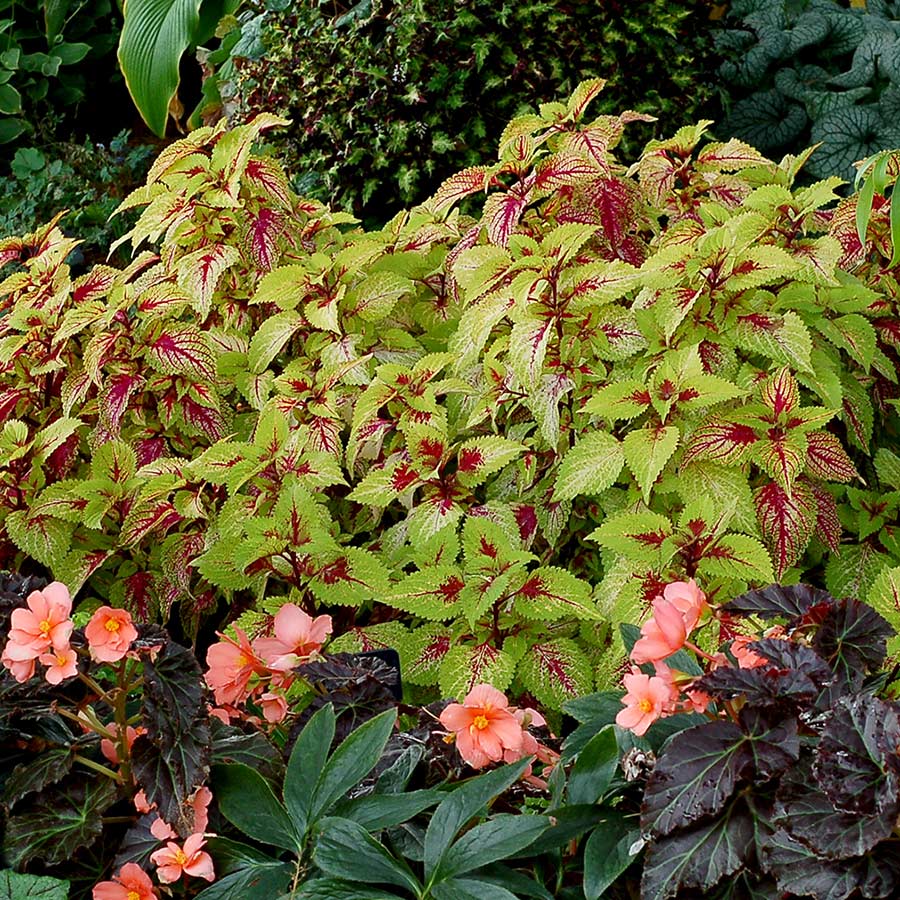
point(848, 134)
point(377, 811)
point(138, 843)
point(594, 769)
point(331, 889)
point(464, 802)
point(470, 889)
point(256, 879)
point(766, 120)
point(305, 765)
point(351, 762)
point(58, 821)
point(16, 886)
point(345, 850)
point(395, 778)
point(698, 857)
point(521, 885)
point(231, 745)
point(608, 853)
point(571, 823)
point(247, 801)
point(496, 839)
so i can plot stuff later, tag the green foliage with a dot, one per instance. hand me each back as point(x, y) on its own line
point(87, 179)
point(389, 98)
point(801, 72)
point(46, 47)
point(155, 35)
point(485, 442)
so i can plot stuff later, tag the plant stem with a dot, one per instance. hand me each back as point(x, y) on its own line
point(98, 767)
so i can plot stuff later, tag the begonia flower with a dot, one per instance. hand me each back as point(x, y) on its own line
point(484, 727)
point(61, 664)
point(662, 635)
point(688, 599)
point(746, 658)
point(21, 669)
point(132, 883)
point(173, 861)
point(231, 666)
point(297, 636)
point(645, 700)
point(109, 634)
point(108, 748)
point(44, 624)
point(274, 706)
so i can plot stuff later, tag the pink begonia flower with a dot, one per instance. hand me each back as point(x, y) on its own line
point(162, 831)
point(485, 729)
point(746, 658)
point(132, 883)
point(688, 599)
point(231, 666)
point(173, 861)
point(274, 706)
point(21, 669)
point(43, 625)
point(142, 804)
point(61, 664)
point(645, 699)
point(662, 635)
point(297, 636)
point(108, 748)
point(698, 701)
point(110, 633)
point(668, 678)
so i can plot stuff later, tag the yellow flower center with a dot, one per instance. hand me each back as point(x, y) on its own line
point(242, 661)
point(61, 659)
point(133, 895)
point(45, 627)
point(112, 625)
point(480, 722)
point(645, 705)
point(180, 857)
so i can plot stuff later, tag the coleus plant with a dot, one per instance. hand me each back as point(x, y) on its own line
point(790, 785)
point(479, 440)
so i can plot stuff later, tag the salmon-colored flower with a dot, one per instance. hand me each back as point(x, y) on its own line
point(697, 701)
point(746, 658)
point(108, 748)
point(142, 804)
point(162, 831)
point(231, 666)
point(274, 706)
point(485, 728)
point(61, 664)
point(668, 678)
point(662, 635)
point(44, 624)
point(132, 883)
point(21, 669)
point(688, 599)
point(110, 633)
point(297, 636)
point(173, 861)
point(645, 700)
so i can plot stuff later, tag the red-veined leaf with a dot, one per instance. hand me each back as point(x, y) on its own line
point(265, 228)
point(462, 184)
point(780, 392)
point(827, 459)
point(184, 351)
point(556, 671)
point(787, 521)
point(724, 442)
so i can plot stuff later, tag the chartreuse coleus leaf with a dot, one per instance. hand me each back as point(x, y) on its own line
point(590, 467)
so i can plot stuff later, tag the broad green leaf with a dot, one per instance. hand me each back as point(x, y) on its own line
point(466, 665)
point(351, 762)
point(464, 802)
point(608, 852)
point(306, 763)
point(594, 769)
point(270, 338)
point(556, 670)
point(346, 850)
point(469, 889)
point(590, 467)
point(17, 886)
point(498, 838)
point(154, 36)
point(248, 802)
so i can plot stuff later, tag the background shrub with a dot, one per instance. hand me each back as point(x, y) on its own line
point(388, 98)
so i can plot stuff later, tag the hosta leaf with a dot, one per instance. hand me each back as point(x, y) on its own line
point(60, 820)
point(464, 666)
point(647, 450)
point(556, 671)
point(787, 521)
point(590, 467)
point(550, 593)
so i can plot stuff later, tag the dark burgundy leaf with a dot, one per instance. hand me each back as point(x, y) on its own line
point(138, 843)
point(791, 655)
point(58, 821)
point(791, 601)
point(857, 764)
point(232, 745)
point(701, 856)
point(174, 693)
point(809, 816)
point(48, 768)
point(853, 639)
point(762, 686)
